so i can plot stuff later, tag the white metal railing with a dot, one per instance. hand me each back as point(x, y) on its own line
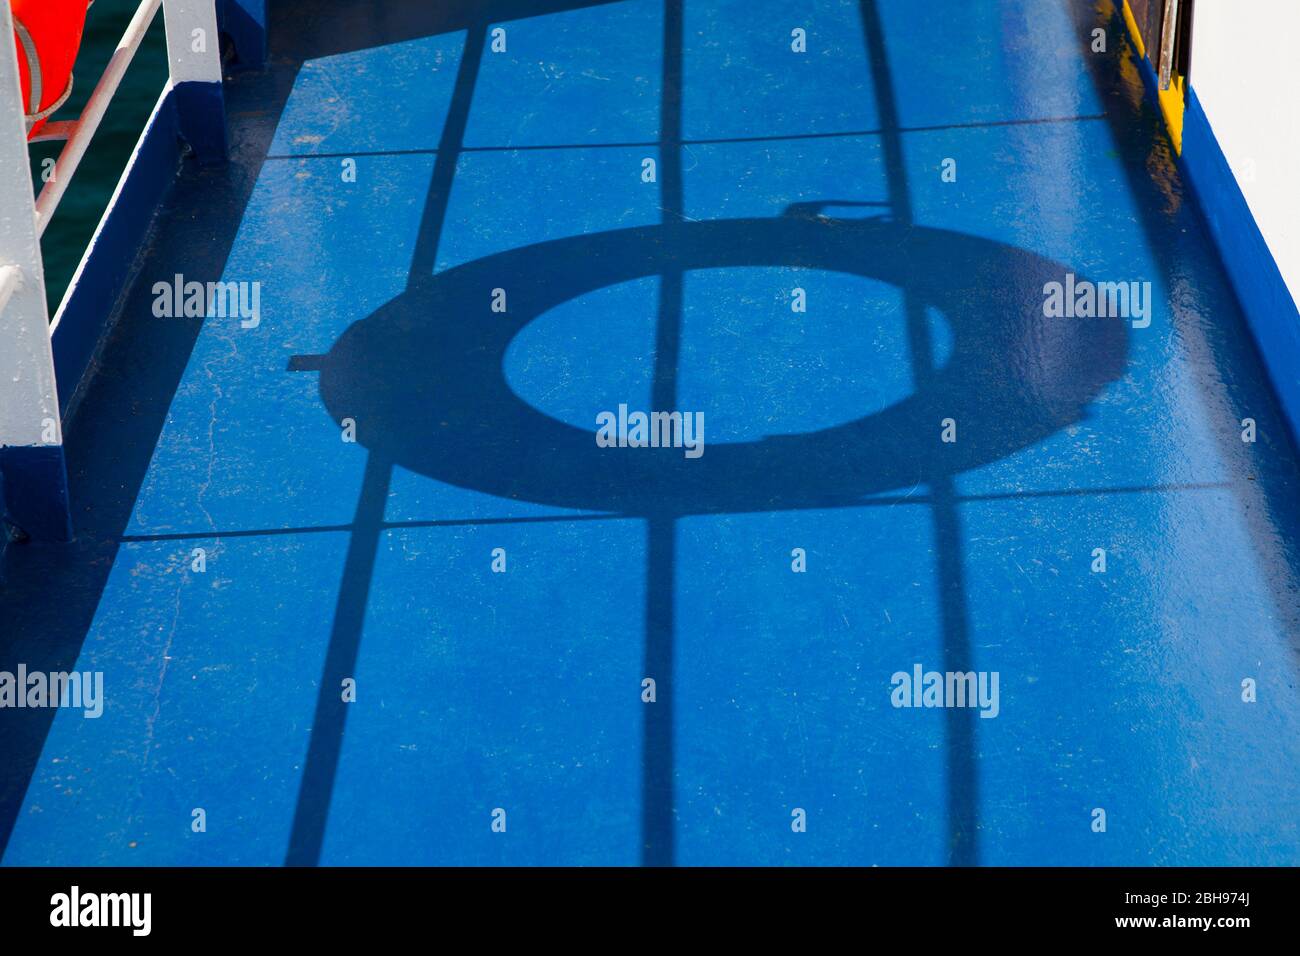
point(29, 406)
point(80, 131)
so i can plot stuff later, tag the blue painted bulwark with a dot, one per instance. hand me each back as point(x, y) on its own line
point(34, 492)
point(89, 305)
point(201, 119)
point(244, 22)
point(1266, 301)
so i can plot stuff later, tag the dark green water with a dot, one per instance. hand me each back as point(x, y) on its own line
point(92, 187)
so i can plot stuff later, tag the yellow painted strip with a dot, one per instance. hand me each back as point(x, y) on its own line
point(1172, 101)
point(1133, 30)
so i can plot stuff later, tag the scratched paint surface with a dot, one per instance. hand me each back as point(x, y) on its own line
point(522, 691)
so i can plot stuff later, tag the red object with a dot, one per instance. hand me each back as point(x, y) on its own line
point(51, 30)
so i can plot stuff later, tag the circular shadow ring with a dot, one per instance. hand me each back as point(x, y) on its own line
point(423, 377)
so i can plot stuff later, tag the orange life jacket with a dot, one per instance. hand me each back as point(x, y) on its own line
point(47, 34)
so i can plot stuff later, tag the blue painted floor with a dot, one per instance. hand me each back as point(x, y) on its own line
point(524, 170)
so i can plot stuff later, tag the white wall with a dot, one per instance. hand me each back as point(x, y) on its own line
point(1246, 72)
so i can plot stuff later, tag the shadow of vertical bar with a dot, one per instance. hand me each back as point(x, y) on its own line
point(657, 771)
point(963, 793)
point(657, 810)
point(340, 662)
point(317, 788)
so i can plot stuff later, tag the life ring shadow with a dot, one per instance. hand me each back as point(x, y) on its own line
point(423, 376)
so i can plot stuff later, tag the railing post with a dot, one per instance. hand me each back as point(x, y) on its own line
point(194, 55)
point(33, 476)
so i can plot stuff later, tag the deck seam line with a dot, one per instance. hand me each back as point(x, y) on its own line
point(710, 141)
point(875, 502)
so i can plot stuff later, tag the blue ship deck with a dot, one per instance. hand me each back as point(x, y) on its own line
point(522, 170)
